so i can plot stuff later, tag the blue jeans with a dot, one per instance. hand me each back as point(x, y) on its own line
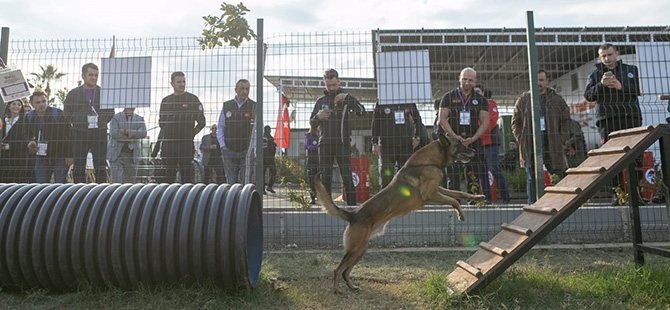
point(493, 163)
point(44, 166)
point(235, 165)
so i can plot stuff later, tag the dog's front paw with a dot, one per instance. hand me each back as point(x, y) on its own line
point(461, 216)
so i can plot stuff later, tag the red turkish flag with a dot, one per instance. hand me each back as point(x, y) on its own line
point(283, 129)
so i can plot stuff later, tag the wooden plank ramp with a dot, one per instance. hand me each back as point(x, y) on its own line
point(538, 220)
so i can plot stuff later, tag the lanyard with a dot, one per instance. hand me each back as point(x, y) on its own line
point(91, 100)
point(465, 102)
point(41, 127)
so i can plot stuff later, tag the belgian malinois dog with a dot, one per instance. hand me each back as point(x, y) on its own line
point(417, 183)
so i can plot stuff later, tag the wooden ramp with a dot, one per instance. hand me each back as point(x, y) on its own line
point(581, 183)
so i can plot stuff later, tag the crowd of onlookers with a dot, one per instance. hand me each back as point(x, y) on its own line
point(41, 142)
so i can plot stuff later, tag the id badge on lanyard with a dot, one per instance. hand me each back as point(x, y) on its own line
point(543, 125)
point(464, 118)
point(399, 117)
point(92, 118)
point(92, 121)
point(42, 148)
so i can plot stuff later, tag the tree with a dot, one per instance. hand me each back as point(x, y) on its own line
point(231, 27)
point(49, 73)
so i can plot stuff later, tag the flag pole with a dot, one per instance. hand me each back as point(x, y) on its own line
point(279, 120)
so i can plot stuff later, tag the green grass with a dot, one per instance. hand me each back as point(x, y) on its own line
point(543, 279)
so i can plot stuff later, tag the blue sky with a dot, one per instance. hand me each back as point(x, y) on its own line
point(43, 19)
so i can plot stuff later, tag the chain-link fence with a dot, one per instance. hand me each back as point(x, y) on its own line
point(402, 87)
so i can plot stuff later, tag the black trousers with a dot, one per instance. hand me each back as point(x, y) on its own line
point(178, 155)
point(390, 155)
point(312, 170)
point(478, 167)
point(215, 166)
point(81, 142)
point(270, 169)
point(609, 125)
point(340, 153)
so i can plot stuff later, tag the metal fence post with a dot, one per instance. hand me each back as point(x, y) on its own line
point(535, 99)
point(259, 108)
point(4, 48)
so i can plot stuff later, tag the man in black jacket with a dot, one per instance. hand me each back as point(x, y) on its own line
point(181, 118)
point(331, 112)
point(49, 135)
point(211, 157)
point(89, 125)
point(614, 86)
point(396, 131)
point(464, 115)
point(269, 150)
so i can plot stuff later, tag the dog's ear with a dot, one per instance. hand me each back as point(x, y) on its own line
point(444, 141)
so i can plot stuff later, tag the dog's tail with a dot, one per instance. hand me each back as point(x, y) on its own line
point(326, 202)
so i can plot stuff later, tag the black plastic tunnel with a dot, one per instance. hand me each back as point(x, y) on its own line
point(54, 236)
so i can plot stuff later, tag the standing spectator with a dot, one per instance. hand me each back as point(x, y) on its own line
point(49, 135)
point(269, 150)
point(554, 126)
point(29, 168)
point(614, 86)
point(211, 157)
point(181, 118)
point(157, 163)
point(394, 136)
point(124, 150)
point(312, 147)
point(89, 125)
point(437, 130)
point(575, 145)
point(490, 142)
point(331, 113)
point(464, 115)
point(13, 147)
point(236, 127)
point(511, 159)
point(26, 108)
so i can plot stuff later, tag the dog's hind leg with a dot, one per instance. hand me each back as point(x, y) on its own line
point(355, 244)
point(348, 271)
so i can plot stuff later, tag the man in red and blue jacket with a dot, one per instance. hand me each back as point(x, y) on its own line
point(490, 142)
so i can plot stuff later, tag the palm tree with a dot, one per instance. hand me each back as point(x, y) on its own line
point(49, 73)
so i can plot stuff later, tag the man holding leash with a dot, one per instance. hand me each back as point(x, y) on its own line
point(331, 112)
point(464, 115)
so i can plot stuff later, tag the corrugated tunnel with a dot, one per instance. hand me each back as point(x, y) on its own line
point(55, 235)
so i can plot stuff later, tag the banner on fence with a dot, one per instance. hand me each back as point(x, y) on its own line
point(125, 82)
point(403, 77)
